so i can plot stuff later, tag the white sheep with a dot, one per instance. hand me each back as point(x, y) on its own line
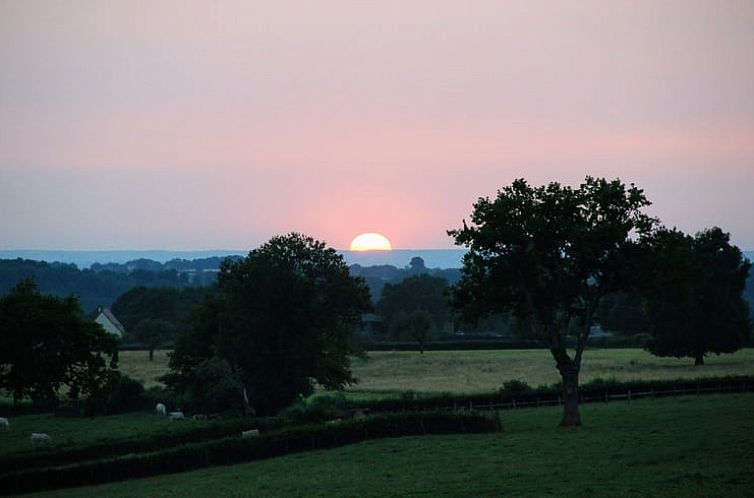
point(250, 433)
point(177, 415)
point(40, 439)
point(161, 409)
point(4, 424)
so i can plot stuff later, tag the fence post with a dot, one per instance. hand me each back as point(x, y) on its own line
point(629, 394)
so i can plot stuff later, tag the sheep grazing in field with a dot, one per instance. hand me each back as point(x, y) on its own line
point(336, 421)
point(40, 439)
point(4, 424)
point(173, 416)
point(199, 416)
point(250, 433)
point(161, 409)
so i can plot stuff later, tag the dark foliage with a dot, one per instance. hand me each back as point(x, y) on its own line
point(93, 288)
point(128, 395)
point(421, 292)
point(282, 316)
point(46, 343)
point(171, 304)
point(694, 289)
point(549, 254)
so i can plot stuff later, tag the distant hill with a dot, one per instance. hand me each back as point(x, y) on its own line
point(433, 258)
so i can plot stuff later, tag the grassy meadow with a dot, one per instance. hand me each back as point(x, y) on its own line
point(75, 432)
point(485, 371)
point(687, 446)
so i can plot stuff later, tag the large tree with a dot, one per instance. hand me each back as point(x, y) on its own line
point(549, 254)
point(694, 287)
point(47, 344)
point(282, 317)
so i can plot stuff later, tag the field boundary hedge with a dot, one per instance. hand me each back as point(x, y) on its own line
point(140, 444)
point(237, 450)
point(598, 390)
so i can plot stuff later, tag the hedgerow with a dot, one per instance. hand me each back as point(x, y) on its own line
point(236, 449)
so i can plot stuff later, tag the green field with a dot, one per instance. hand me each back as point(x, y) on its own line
point(485, 371)
point(75, 432)
point(688, 446)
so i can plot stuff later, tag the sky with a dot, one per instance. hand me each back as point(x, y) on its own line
point(207, 125)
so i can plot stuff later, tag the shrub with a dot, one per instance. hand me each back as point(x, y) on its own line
point(316, 409)
point(515, 387)
point(128, 395)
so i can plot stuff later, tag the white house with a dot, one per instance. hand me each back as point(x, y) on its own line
point(108, 321)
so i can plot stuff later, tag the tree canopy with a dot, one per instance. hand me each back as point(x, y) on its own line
point(153, 333)
point(693, 288)
point(549, 254)
point(419, 292)
point(46, 343)
point(282, 317)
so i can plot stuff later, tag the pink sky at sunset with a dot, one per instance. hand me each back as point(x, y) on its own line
point(194, 125)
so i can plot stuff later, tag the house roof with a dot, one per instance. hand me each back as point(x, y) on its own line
point(109, 315)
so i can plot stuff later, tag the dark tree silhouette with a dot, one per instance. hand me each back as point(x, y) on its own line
point(283, 316)
point(549, 254)
point(419, 292)
point(47, 343)
point(694, 291)
point(153, 332)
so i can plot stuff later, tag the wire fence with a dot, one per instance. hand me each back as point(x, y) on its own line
point(606, 396)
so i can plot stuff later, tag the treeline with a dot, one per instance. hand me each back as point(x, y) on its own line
point(94, 288)
point(397, 293)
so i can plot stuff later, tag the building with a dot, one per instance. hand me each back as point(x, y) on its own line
point(108, 321)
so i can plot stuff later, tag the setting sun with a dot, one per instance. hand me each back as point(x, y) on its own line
point(371, 242)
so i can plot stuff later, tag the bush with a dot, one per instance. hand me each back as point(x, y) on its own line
point(515, 387)
point(316, 409)
point(128, 396)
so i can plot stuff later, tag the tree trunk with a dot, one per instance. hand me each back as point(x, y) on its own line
point(699, 359)
point(570, 376)
point(151, 354)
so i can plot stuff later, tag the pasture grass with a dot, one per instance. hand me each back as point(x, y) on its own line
point(78, 431)
point(485, 371)
point(686, 446)
point(470, 372)
point(136, 365)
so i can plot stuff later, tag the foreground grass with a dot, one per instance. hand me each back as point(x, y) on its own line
point(485, 371)
point(690, 446)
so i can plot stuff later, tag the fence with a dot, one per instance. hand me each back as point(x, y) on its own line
point(605, 396)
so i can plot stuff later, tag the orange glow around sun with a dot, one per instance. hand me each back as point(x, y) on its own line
point(370, 242)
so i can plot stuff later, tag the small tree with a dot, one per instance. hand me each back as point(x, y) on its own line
point(47, 343)
point(693, 287)
point(152, 333)
point(416, 325)
point(549, 254)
